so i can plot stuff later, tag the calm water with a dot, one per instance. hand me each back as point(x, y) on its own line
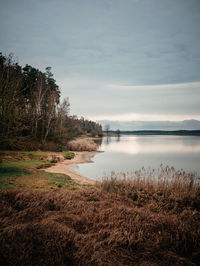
point(130, 153)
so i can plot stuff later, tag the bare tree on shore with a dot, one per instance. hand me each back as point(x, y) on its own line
point(107, 128)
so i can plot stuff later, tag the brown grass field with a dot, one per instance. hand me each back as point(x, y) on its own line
point(121, 221)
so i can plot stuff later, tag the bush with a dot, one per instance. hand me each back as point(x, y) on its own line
point(69, 155)
point(82, 145)
point(93, 133)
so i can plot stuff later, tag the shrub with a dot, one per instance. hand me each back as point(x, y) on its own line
point(69, 155)
point(94, 133)
point(82, 145)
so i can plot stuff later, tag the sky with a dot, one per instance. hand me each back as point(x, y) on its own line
point(115, 59)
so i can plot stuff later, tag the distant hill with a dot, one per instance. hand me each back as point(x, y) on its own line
point(152, 125)
point(158, 132)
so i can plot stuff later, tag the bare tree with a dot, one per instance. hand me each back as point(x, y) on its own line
point(118, 132)
point(107, 128)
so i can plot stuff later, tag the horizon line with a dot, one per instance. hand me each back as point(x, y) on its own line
point(136, 117)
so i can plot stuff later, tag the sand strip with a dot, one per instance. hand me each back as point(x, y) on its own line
point(67, 168)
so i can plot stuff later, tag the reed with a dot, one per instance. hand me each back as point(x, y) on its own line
point(165, 180)
point(82, 145)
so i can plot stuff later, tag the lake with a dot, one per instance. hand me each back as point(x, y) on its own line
point(129, 153)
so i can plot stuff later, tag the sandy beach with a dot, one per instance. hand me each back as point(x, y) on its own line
point(67, 168)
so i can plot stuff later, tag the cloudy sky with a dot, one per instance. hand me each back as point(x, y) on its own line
point(114, 59)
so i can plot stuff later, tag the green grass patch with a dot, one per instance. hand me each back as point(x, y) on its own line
point(68, 155)
point(12, 171)
point(23, 164)
point(19, 170)
point(7, 184)
point(8, 175)
point(22, 170)
point(61, 180)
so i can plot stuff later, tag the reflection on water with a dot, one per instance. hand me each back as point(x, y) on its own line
point(128, 153)
point(151, 144)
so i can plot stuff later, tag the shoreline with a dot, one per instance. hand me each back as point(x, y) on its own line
point(67, 168)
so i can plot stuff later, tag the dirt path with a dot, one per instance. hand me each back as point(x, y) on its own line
point(67, 168)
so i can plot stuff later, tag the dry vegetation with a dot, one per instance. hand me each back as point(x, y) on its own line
point(165, 181)
point(82, 144)
point(122, 222)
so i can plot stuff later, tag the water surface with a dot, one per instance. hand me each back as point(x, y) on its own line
point(129, 153)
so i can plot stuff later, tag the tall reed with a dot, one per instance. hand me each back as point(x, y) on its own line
point(165, 180)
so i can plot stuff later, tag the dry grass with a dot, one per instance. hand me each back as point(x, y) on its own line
point(136, 223)
point(82, 145)
point(165, 181)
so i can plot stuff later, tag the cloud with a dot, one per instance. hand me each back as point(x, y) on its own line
point(93, 98)
point(145, 117)
point(111, 57)
point(175, 86)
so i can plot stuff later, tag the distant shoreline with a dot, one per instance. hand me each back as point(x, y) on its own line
point(158, 132)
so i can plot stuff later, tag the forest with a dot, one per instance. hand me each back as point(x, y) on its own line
point(32, 115)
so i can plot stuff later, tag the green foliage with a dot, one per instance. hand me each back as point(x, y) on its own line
point(69, 155)
point(94, 133)
point(61, 180)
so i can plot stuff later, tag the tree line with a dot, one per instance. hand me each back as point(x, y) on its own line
point(31, 110)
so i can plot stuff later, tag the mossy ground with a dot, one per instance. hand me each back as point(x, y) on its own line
point(24, 170)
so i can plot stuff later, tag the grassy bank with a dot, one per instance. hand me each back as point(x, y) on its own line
point(123, 221)
point(24, 170)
